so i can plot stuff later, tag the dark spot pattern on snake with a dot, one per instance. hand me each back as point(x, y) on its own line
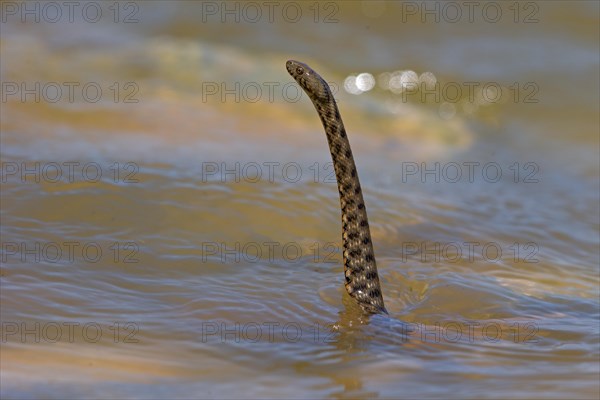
point(360, 269)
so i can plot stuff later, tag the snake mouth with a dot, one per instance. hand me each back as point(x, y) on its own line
point(290, 66)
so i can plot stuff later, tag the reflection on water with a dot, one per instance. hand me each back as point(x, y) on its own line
point(173, 229)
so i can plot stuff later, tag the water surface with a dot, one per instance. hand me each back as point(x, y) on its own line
point(178, 235)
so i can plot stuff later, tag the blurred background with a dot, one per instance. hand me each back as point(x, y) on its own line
point(171, 227)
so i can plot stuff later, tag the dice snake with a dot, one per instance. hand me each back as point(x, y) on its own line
point(360, 268)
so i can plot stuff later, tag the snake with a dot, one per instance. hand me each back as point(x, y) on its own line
point(360, 268)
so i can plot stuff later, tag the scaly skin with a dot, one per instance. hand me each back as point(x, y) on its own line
point(360, 269)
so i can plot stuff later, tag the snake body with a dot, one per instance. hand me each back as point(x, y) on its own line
point(360, 268)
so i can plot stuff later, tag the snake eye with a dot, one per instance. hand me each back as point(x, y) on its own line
point(299, 70)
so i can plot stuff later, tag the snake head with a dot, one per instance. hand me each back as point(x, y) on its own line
point(311, 82)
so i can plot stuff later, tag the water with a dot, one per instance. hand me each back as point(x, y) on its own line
point(178, 235)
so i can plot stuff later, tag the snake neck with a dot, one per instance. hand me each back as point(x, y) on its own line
point(360, 268)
